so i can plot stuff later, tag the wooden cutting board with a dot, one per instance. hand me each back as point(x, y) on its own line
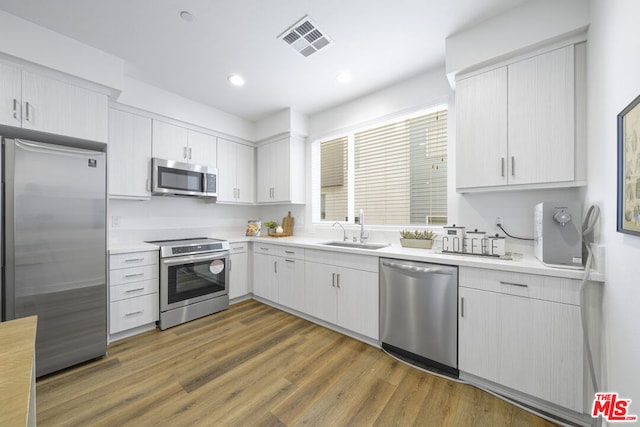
point(287, 225)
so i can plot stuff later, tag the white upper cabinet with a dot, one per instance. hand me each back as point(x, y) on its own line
point(481, 117)
point(280, 177)
point(236, 172)
point(541, 118)
point(202, 149)
point(516, 124)
point(41, 103)
point(10, 95)
point(129, 155)
point(171, 142)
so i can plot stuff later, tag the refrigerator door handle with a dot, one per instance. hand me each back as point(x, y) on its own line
point(48, 148)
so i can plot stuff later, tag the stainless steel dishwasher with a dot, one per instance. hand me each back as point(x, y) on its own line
point(419, 313)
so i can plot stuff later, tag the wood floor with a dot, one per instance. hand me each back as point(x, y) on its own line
point(255, 365)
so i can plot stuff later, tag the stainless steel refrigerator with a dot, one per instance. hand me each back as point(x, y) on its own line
point(54, 248)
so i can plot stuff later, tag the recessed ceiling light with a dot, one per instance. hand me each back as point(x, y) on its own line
point(236, 80)
point(343, 77)
point(186, 16)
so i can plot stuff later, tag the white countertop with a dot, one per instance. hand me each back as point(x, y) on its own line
point(121, 248)
point(520, 264)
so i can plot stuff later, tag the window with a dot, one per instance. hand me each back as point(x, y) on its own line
point(396, 172)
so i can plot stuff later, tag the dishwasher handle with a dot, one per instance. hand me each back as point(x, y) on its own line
point(423, 270)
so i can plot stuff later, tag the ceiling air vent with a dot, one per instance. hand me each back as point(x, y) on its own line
point(305, 37)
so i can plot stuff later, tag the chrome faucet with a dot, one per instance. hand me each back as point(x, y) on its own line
point(344, 232)
point(363, 235)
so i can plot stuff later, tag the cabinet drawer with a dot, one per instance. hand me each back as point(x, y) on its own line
point(341, 259)
point(279, 250)
point(136, 274)
point(239, 247)
point(291, 252)
point(133, 289)
point(133, 259)
point(133, 312)
point(547, 288)
point(264, 248)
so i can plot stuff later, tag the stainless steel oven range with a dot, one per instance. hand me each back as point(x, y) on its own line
point(194, 279)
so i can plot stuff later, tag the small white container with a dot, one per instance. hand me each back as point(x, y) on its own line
point(452, 241)
point(497, 245)
point(474, 242)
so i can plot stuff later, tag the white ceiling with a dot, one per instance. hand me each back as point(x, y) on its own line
point(381, 42)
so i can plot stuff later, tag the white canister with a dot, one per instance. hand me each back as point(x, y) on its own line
point(452, 241)
point(497, 245)
point(474, 242)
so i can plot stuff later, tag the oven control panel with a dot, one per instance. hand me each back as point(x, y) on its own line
point(197, 248)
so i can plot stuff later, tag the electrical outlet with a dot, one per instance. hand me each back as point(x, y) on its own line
point(499, 220)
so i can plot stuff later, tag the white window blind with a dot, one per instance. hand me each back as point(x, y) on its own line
point(399, 172)
point(334, 179)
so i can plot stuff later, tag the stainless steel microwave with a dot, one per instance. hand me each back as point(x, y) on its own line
point(170, 178)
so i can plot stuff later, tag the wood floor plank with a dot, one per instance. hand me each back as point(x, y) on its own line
point(254, 365)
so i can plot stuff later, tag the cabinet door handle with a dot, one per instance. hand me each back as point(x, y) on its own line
point(134, 290)
point(189, 153)
point(521, 285)
point(333, 280)
point(513, 166)
point(290, 260)
point(133, 275)
point(134, 260)
point(15, 109)
point(289, 252)
point(238, 193)
point(338, 280)
point(27, 111)
point(134, 313)
point(184, 152)
point(461, 306)
point(502, 166)
point(262, 248)
point(275, 267)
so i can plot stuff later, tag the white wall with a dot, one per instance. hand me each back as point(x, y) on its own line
point(29, 42)
point(524, 27)
point(425, 90)
point(614, 81)
point(175, 217)
point(156, 100)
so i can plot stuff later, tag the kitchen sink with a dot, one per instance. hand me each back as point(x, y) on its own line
point(356, 245)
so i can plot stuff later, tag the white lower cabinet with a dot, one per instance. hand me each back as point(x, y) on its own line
point(133, 290)
point(264, 276)
point(278, 274)
point(239, 270)
point(343, 289)
point(523, 332)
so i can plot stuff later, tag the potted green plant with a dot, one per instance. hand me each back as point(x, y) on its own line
point(417, 239)
point(271, 225)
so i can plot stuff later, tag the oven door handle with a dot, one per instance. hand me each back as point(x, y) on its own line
point(194, 258)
